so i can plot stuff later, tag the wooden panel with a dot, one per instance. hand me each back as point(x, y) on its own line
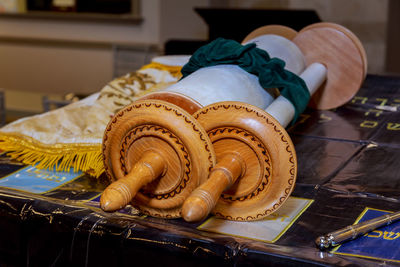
point(50, 69)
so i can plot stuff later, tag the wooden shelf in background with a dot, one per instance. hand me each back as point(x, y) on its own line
point(126, 18)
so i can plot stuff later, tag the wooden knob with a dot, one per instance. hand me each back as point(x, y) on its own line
point(264, 147)
point(160, 152)
point(149, 167)
point(203, 199)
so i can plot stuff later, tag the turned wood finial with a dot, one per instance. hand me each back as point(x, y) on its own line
point(149, 167)
point(203, 199)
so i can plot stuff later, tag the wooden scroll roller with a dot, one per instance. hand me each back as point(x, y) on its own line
point(256, 162)
point(160, 126)
point(156, 153)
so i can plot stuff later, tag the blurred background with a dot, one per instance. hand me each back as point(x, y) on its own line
point(50, 49)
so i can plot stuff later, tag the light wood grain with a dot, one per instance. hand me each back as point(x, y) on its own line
point(203, 199)
point(261, 184)
point(188, 104)
point(280, 30)
point(157, 150)
point(332, 45)
point(341, 56)
point(348, 33)
point(150, 166)
point(185, 156)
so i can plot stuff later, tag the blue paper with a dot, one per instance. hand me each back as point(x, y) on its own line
point(37, 181)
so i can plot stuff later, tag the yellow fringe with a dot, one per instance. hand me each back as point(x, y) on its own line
point(81, 157)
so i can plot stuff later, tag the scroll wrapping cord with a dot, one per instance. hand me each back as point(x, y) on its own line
point(270, 71)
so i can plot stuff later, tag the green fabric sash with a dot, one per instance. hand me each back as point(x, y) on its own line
point(270, 71)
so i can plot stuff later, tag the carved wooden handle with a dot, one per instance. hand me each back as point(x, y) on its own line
point(118, 194)
point(203, 199)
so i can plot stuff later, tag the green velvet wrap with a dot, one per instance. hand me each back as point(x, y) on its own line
point(270, 71)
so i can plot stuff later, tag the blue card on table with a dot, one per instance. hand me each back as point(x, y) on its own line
point(37, 181)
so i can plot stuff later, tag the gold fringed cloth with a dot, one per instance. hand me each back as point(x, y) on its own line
point(71, 136)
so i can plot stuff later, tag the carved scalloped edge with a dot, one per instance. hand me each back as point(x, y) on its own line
point(121, 113)
point(288, 189)
point(175, 214)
